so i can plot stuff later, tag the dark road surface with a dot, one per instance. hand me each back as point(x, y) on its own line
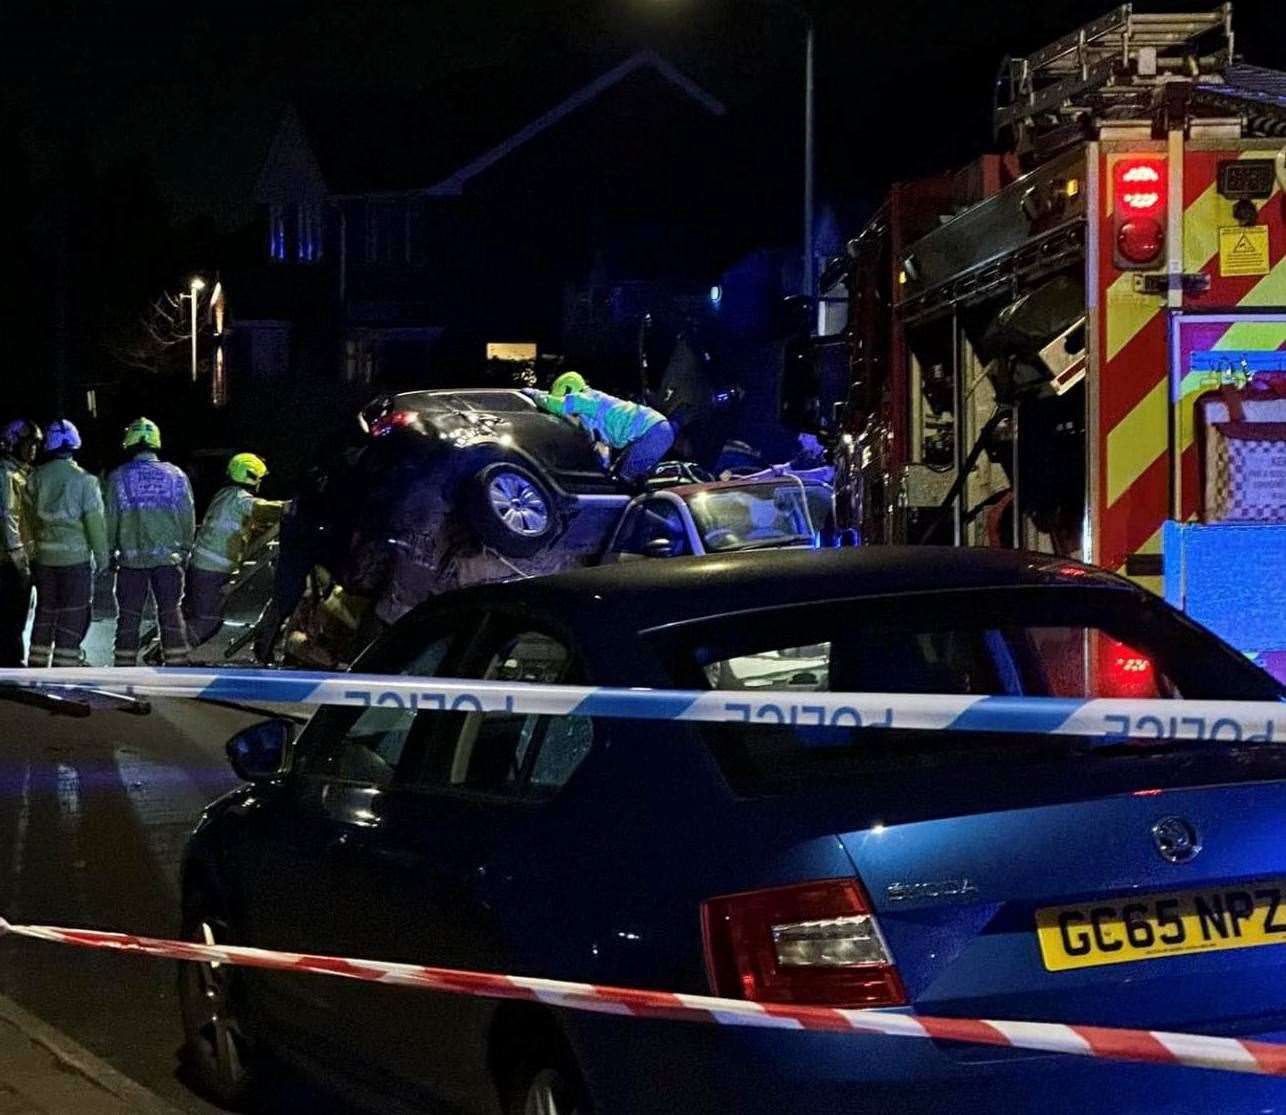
point(93, 816)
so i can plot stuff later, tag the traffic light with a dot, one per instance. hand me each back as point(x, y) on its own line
point(1139, 212)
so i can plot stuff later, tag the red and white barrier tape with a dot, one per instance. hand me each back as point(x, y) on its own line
point(1195, 1050)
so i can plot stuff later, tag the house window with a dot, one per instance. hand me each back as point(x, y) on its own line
point(308, 244)
point(386, 232)
point(276, 233)
point(219, 381)
point(359, 362)
point(416, 236)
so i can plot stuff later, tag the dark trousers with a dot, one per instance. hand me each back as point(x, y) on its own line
point(203, 604)
point(297, 554)
point(15, 603)
point(165, 583)
point(641, 456)
point(63, 596)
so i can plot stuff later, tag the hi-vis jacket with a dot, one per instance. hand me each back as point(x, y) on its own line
point(617, 422)
point(150, 518)
point(15, 525)
point(232, 519)
point(65, 509)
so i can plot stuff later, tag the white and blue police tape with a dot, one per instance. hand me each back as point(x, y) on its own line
point(1115, 718)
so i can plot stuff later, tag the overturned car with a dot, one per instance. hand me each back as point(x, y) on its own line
point(459, 487)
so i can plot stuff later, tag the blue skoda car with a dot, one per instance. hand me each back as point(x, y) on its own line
point(964, 874)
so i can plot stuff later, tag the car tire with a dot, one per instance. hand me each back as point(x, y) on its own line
point(545, 1086)
point(219, 1058)
point(511, 509)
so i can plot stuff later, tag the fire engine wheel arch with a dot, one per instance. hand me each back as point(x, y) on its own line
point(510, 508)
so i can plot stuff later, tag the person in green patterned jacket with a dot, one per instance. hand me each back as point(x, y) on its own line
point(150, 524)
point(235, 515)
point(69, 540)
point(640, 435)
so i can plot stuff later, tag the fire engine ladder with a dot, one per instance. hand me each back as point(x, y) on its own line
point(1252, 92)
point(1114, 62)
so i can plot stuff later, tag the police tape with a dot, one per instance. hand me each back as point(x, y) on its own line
point(1110, 718)
point(1107, 1043)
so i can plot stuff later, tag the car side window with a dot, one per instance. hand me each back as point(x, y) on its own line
point(652, 522)
point(511, 754)
point(366, 744)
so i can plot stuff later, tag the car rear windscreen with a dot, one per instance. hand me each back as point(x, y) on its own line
point(1039, 642)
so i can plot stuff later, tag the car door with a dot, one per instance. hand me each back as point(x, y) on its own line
point(305, 888)
point(457, 860)
point(656, 526)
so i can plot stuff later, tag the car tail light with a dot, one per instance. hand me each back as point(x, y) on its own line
point(808, 943)
point(394, 420)
point(1125, 672)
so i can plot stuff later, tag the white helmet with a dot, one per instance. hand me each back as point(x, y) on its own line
point(61, 436)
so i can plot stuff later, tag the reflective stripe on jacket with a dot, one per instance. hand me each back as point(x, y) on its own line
point(14, 522)
point(65, 509)
point(150, 518)
point(232, 519)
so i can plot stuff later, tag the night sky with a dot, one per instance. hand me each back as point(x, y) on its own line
point(903, 86)
point(95, 92)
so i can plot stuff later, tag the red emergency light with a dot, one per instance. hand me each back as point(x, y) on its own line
point(1125, 672)
point(1139, 212)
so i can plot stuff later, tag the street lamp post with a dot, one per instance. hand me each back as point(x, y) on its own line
point(194, 288)
point(809, 130)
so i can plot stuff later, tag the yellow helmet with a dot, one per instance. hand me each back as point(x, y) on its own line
point(246, 468)
point(142, 431)
point(567, 384)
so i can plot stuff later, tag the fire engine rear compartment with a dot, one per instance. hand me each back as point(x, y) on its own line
point(1079, 347)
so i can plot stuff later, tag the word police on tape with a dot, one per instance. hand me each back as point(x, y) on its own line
point(1111, 718)
point(1197, 1050)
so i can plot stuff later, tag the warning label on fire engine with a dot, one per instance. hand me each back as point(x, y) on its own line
point(1243, 251)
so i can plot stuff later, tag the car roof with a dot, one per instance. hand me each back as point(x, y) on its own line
point(644, 595)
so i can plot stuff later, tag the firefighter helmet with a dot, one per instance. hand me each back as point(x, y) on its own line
point(18, 431)
point(62, 437)
point(246, 468)
point(567, 384)
point(142, 431)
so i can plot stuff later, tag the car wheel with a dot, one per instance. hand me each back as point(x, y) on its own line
point(547, 1090)
point(511, 509)
point(216, 1051)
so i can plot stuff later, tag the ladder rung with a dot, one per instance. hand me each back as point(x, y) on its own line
point(1069, 44)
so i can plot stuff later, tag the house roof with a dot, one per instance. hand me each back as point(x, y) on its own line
point(434, 142)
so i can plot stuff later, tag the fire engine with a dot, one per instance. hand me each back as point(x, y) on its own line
point(1078, 346)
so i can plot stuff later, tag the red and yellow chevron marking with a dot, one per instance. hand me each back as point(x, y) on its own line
point(1133, 497)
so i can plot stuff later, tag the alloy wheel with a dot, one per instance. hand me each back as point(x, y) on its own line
point(212, 1022)
point(550, 1095)
point(518, 504)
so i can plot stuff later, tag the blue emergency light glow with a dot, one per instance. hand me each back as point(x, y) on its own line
point(1214, 570)
point(716, 295)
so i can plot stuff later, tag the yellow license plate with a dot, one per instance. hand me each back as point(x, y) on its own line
point(1149, 926)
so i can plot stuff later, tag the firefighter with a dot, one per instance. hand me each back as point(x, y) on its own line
point(69, 541)
point(641, 435)
point(19, 442)
point(234, 517)
point(150, 525)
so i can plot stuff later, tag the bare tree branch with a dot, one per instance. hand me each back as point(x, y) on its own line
point(152, 343)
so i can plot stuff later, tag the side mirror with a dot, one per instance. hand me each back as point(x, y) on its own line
point(256, 752)
point(658, 548)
